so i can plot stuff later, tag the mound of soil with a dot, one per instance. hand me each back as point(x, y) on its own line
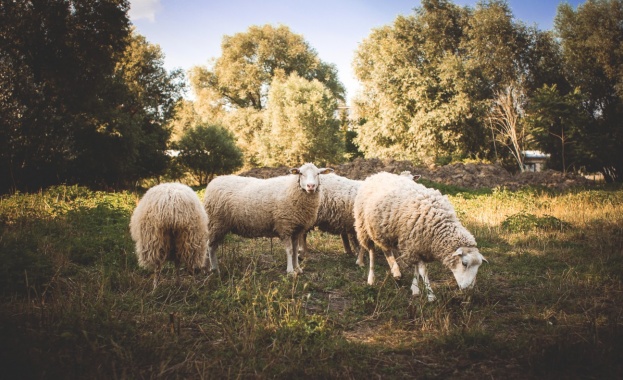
point(470, 176)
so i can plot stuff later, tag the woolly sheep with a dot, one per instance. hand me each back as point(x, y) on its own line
point(169, 223)
point(398, 214)
point(336, 215)
point(283, 207)
point(335, 212)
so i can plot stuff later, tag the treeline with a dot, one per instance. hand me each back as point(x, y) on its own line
point(84, 99)
point(449, 83)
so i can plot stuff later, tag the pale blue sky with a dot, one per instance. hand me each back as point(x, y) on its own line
point(190, 32)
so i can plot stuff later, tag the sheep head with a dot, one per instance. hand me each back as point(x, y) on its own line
point(309, 174)
point(466, 268)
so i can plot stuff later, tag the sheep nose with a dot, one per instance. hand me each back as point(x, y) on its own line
point(311, 187)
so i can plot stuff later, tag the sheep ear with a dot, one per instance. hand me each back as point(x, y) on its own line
point(416, 177)
point(483, 259)
point(459, 252)
point(326, 170)
point(295, 171)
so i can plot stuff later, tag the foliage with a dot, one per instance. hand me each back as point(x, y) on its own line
point(556, 124)
point(242, 75)
point(506, 121)
point(234, 91)
point(523, 222)
point(428, 79)
point(80, 96)
point(591, 38)
point(207, 151)
point(300, 124)
point(547, 306)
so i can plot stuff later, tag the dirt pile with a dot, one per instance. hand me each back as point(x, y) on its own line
point(470, 176)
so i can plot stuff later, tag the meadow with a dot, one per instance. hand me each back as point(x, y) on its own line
point(549, 304)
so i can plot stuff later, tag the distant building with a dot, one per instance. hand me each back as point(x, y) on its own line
point(534, 160)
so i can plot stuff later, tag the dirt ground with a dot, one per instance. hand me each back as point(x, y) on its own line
point(470, 176)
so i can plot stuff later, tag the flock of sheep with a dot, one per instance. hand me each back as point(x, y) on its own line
point(388, 211)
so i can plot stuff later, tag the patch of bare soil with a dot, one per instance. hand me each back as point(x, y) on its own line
point(470, 176)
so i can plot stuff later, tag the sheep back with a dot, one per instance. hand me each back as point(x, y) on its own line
point(170, 223)
point(337, 197)
point(394, 212)
point(252, 207)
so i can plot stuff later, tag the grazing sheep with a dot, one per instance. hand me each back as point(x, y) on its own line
point(336, 215)
point(283, 207)
point(169, 223)
point(398, 214)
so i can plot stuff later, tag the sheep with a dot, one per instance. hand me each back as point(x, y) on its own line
point(398, 214)
point(335, 213)
point(169, 223)
point(283, 207)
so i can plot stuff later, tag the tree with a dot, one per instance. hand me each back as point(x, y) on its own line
point(209, 150)
point(428, 79)
point(593, 59)
point(416, 100)
point(56, 64)
point(301, 124)
point(556, 122)
point(234, 90)
point(241, 76)
point(506, 122)
point(82, 98)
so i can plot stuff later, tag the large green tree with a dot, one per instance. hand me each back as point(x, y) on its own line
point(430, 79)
point(303, 127)
point(56, 61)
point(234, 90)
point(242, 75)
point(209, 150)
point(591, 38)
point(82, 99)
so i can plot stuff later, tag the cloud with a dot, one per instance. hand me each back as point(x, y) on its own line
point(144, 9)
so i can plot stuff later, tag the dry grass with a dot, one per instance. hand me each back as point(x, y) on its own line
point(550, 304)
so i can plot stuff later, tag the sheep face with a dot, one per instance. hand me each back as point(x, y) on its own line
point(466, 268)
point(309, 176)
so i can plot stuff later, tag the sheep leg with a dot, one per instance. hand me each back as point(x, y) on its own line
point(346, 244)
point(358, 248)
point(393, 265)
point(295, 250)
point(421, 267)
point(415, 288)
point(156, 276)
point(302, 246)
point(371, 272)
point(292, 255)
point(212, 255)
point(359, 261)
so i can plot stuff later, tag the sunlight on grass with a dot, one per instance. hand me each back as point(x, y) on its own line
point(552, 294)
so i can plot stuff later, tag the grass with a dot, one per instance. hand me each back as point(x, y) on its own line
point(74, 303)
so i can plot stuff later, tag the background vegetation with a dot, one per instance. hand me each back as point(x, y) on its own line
point(549, 305)
point(86, 100)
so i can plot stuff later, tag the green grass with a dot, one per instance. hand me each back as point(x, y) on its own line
point(549, 304)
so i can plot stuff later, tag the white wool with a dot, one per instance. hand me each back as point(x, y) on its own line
point(169, 223)
point(397, 214)
point(283, 207)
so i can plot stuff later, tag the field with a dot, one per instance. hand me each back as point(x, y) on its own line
point(74, 303)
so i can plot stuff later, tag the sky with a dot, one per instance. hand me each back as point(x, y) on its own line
point(190, 32)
